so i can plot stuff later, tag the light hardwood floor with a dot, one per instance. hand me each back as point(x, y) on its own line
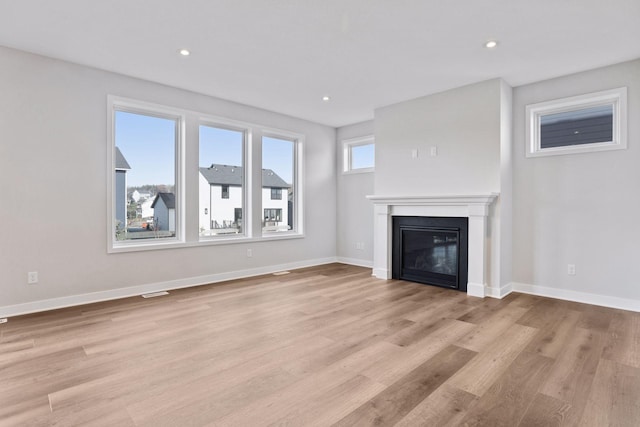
point(322, 346)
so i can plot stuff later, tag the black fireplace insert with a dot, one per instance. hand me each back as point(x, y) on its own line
point(431, 250)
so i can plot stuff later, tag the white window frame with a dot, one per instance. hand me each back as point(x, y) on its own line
point(617, 98)
point(347, 149)
point(114, 104)
point(298, 183)
point(247, 130)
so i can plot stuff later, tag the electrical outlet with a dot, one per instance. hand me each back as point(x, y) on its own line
point(434, 151)
point(249, 253)
point(32, 277)
point(571, 269)
point(414, 153)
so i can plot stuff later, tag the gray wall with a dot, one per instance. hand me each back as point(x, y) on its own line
point(355, 212)
point(579, 209)
point(466, 126)
point(53, 117)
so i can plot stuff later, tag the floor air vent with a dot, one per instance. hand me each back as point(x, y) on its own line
point(154, 294)
point(280, 273)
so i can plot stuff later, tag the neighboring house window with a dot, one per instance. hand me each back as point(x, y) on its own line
point(273, 215)
point(579, 124)
point(222, 179)
point(145, 142)
point(359, 154)
point(276, 194)
point(280, 161)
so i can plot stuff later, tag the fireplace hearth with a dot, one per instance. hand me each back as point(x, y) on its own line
point(431, 250)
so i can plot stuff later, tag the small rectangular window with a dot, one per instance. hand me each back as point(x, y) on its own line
point(224, 190)
point(592, 122)
point(359, 154)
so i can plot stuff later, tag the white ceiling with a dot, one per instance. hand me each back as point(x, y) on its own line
point(284, 55)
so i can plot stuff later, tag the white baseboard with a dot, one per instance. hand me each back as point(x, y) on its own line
point(583, 297)
point(74, 300)
point(357, 262)
point(479, 290)
point(381, 273)
point(475, 290)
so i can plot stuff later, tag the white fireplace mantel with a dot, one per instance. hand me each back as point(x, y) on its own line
point(474, 207)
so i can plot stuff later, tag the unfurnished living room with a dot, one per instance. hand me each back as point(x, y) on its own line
point(320, 213)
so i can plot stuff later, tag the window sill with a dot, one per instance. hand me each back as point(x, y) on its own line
point(357, 171)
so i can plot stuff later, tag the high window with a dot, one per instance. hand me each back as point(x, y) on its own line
point(145, 189)
point(592, 122)
point(280, 174)
point(359, 154)
point(221, 180)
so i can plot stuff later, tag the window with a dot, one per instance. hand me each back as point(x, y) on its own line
point(586, 123)
point(276, 194)
point(359, 154)
point(273, 215)
point(280, 159)
point(145, 190)
point(148, 145)
point(221, 180)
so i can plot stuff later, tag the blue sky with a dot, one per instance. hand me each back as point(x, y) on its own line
point(362, 156)
point(148, 144)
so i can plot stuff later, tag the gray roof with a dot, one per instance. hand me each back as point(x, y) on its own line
point(169, 200)
point(121, 162)
point(232, 175)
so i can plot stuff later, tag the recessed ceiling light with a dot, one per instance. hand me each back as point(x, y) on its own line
point(491, 44)
point(326, 98)
point(185, 52)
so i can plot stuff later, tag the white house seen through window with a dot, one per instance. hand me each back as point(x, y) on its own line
point(221, 181)
point(278, 173)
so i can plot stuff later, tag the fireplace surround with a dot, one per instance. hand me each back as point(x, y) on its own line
point(473, 207)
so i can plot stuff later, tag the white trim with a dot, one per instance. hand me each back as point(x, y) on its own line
point(436, 200)
point(357, 262)
point(575, 296)
point(475, 207)
point(74, 300)
point(246, 129)
point(476, 290)
point(298, 183)
point(116, 103)
point(499, 293)
point(617, 98)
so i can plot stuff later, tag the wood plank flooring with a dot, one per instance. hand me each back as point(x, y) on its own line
point(322, 346)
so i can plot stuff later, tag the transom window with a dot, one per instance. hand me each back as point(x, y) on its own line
point(359, 154)
point(592, 122)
